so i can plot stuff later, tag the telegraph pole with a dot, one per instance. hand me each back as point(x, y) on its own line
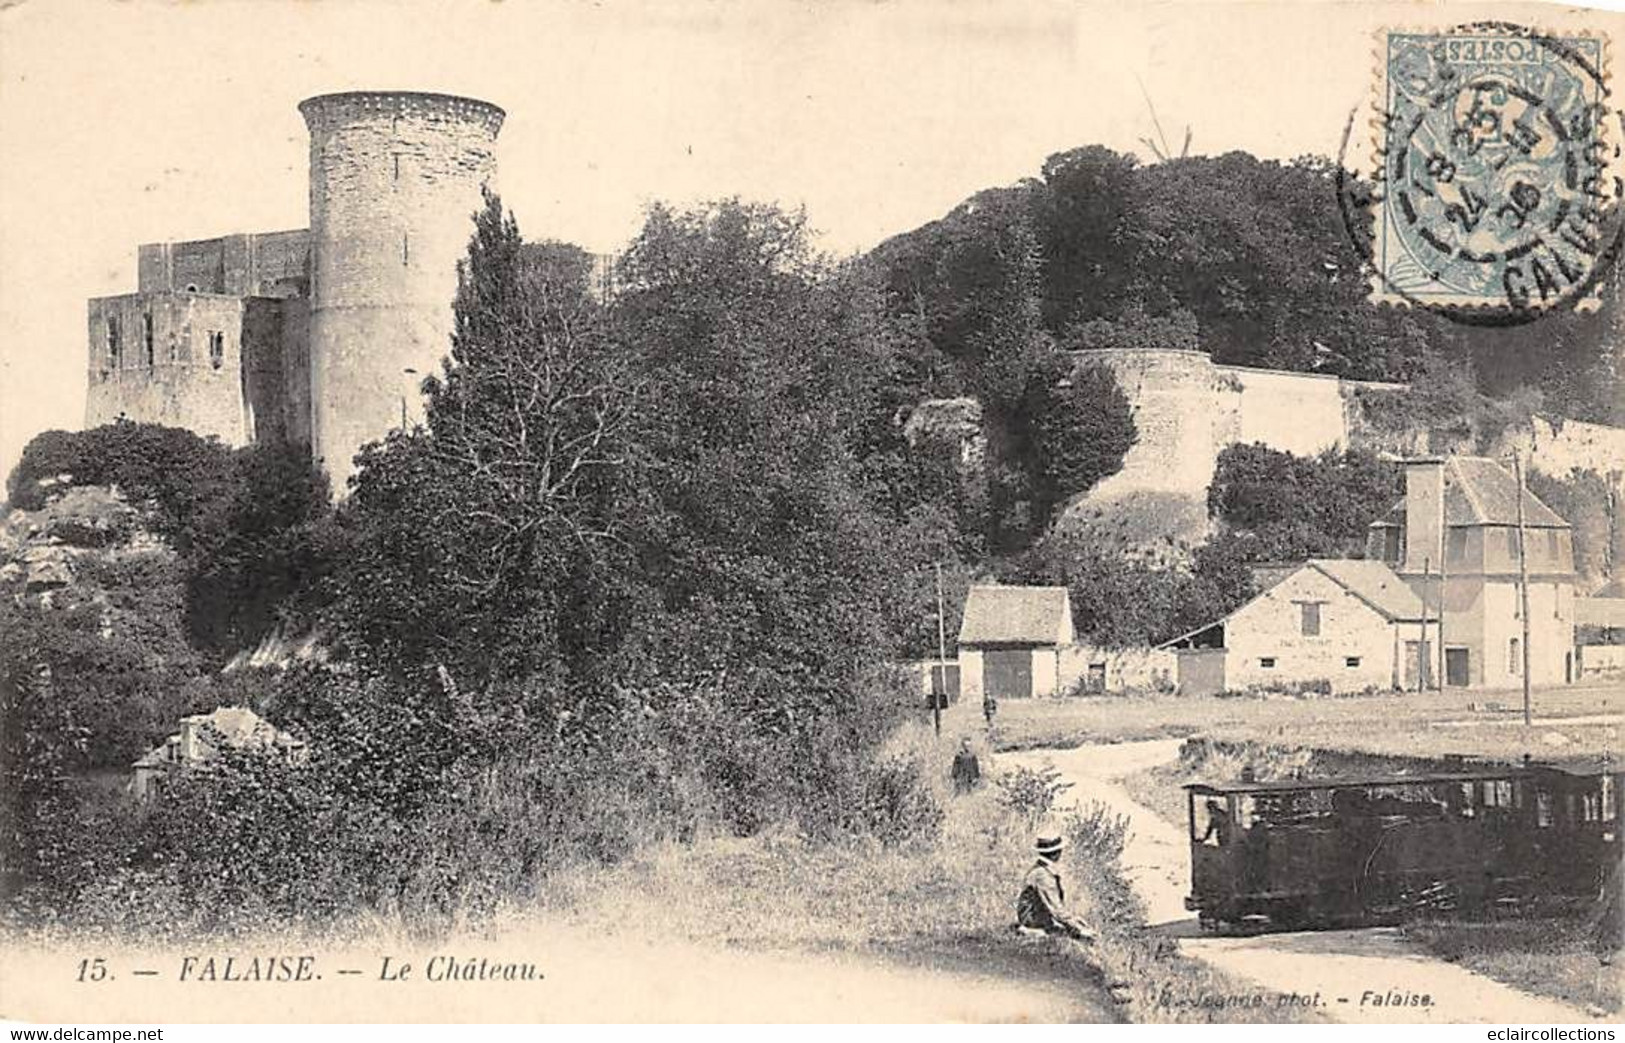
point(1422, 647)
point(1444, 574)
point(1523, 582)
point(941, 681)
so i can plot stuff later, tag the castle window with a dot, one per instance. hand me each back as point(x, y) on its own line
point(191, 287)
point(146, 336)
point(1514, 661)
point(1309, 623)
point(406, 248)
point(112, 343)
point(217, 348)
point(1267, 663)
point(1352, 661)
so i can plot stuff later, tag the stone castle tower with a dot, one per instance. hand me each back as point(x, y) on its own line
point(320, 335)
point(394, 180)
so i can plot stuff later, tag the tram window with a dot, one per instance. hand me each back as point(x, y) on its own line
point(1246, 811)
point(1210, 825)
point(1573, 809)
point(1464, 806)
point(1591, 807)
point(1543, 809)
point(1607, 798)
point(1498, 793)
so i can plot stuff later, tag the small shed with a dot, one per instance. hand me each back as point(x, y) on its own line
point(199, 740)
point(1011, 640)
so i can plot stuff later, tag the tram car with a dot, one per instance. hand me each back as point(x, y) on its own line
point(1336, 852)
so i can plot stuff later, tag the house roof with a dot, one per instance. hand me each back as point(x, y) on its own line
point(239, 727)
point(1600, 612)
point(1374, 583)
point(1612, 589)
point(1016, 615)
point(1480, 491)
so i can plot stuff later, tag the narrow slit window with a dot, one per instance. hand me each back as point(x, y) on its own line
point(217, 348)
point(146, 337)
point(112, 343)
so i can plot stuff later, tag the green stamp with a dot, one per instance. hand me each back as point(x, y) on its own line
point(1498, 190)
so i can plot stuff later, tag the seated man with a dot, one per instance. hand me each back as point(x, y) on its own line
point(1042, 904)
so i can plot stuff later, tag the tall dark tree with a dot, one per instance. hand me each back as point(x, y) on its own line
point(471, 541)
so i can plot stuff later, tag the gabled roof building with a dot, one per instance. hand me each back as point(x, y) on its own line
point(1344, 625)
point(1010, 641)
point(1455, 541)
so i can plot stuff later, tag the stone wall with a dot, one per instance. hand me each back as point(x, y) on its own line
point(395, 179)
point(1353, 650)
point(1187, 410)
point(266, 264)
point(1556, 448)
point(248, 392)
point(1117, 669)
point(178, 383)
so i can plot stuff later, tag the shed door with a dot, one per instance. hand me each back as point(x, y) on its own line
point(1201, 670)
point(1007, 673)
point(1455, 667)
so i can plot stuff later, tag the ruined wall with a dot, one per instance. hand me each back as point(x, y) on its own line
point(1569, 445)
point(395, 179)
point(1187, 410)
point(1299, 413)
point(178, 382)
point(296, 369)
point(250, 391)
point(265, 264)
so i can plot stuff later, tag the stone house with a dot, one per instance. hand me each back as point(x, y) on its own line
point(1012, 641)
point(1454, 540)
point(1350, 624)
point(199, 740)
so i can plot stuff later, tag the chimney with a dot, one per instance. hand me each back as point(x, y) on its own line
point(1424, 513)
point(190, 751)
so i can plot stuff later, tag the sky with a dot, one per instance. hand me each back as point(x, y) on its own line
point(140, 121)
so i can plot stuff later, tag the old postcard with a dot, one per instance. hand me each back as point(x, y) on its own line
point(762, 512)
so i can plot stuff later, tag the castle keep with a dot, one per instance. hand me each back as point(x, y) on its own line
point(320, 335)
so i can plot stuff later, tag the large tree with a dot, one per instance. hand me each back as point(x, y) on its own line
point(475, 541)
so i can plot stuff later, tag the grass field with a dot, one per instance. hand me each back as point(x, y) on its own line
point(1569, 721)
point(949, 903)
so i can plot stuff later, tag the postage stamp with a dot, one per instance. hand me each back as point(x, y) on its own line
point(1499, 176)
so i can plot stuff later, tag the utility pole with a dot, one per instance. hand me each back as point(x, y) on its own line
point(939, 690)
point(1422, 646)
point(1444, 574)
point(1523, 583)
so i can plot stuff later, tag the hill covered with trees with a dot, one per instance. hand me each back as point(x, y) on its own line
point(1249, 260)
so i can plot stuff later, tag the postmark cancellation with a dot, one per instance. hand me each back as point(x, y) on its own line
point(1497, 175)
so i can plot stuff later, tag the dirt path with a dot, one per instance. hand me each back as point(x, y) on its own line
point(1347, 969)
point(586, 978)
